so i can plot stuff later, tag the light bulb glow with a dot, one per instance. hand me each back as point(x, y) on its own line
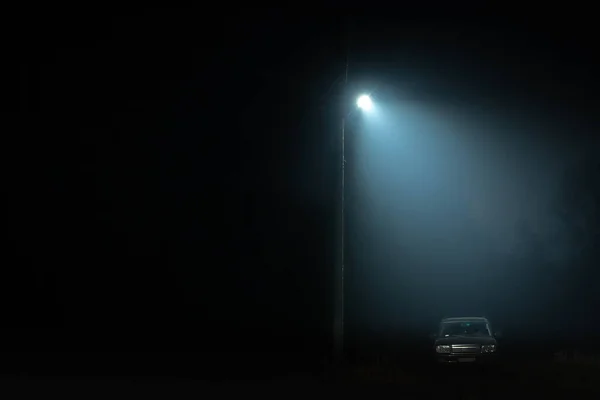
point(364, 102)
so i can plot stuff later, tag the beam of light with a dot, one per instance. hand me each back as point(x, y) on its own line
point(364, 102)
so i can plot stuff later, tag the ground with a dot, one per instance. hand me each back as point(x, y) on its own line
point(419, 378)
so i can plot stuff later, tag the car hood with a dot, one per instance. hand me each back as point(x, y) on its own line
point(466, 340)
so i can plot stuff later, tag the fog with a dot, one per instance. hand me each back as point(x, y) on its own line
point(457, 210)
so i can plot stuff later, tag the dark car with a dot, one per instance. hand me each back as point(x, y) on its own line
point(465, 339)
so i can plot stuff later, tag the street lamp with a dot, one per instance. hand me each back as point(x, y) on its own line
point(364, 103)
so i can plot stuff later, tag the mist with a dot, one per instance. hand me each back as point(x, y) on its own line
point(458, 210)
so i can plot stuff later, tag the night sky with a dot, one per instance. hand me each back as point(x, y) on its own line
point(172, 182)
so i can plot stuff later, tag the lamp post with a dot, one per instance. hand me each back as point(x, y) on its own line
point(364, 103)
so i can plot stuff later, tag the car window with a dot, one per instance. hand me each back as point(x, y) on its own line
point(464, 328)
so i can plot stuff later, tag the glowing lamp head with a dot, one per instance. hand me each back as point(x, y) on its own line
point(364, 103)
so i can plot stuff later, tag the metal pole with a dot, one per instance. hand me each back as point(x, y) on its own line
point(339, 275)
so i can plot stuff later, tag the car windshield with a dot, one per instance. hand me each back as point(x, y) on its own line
point(464, 328)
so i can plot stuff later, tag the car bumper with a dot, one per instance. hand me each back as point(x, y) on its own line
point(466, 358)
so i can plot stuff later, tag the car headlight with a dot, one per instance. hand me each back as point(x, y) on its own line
point(443, 348)
point(488, 348)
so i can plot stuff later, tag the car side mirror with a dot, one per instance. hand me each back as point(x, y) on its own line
point(433, 336)
point(498, 335)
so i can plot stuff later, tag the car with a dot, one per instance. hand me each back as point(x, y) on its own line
point(465, 340)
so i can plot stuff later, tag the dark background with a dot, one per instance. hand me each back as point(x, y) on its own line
point(172, 183)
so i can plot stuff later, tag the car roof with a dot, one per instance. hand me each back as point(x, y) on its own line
point(462, 319)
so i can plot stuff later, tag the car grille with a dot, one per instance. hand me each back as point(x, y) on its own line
point(466, 348)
